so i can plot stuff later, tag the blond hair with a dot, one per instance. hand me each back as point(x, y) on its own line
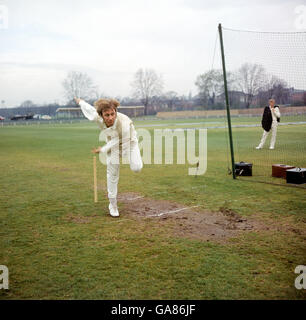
point(104, 104)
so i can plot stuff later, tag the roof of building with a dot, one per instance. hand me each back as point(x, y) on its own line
point(68, 109)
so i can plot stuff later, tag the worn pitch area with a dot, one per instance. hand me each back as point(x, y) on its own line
point(190, 222)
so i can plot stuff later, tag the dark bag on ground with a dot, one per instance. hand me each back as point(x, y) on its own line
point(296, 175)
point(243, 169)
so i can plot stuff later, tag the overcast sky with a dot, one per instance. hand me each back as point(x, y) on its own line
point(111, 39)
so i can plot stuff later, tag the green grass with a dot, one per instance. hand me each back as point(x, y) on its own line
point(46, 178)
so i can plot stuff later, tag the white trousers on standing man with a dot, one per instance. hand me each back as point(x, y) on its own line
point(265, 135)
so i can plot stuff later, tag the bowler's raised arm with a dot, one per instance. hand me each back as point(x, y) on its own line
point(89, 111)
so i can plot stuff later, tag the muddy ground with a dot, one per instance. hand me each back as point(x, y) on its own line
point(193, 222)
point(189, 222)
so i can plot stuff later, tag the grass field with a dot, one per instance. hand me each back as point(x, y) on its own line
point(59, 244)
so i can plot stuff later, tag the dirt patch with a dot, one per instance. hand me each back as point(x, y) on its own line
point(76, 218)
point(189, 222)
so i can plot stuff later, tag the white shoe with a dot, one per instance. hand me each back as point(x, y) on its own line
point(113, 211)
point(258, 147)
point(271, 148)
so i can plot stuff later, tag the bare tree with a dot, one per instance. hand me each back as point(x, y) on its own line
point(211, 85)
point(170, 98)
point(250, 78)
point(146, 84)
point(78, 84)
point(27, 106)
point(278, 89)
point(274, 88)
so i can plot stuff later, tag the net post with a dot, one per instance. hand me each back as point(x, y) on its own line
point(227, 101)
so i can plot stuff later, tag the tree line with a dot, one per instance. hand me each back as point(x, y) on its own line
point(249, 86)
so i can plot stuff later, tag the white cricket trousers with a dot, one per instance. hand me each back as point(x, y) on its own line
point(112, 171)
point(265, 135)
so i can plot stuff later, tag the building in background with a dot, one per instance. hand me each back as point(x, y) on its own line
point(74, 113)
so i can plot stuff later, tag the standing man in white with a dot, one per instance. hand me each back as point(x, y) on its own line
point(121, 141)
point(270, 118)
